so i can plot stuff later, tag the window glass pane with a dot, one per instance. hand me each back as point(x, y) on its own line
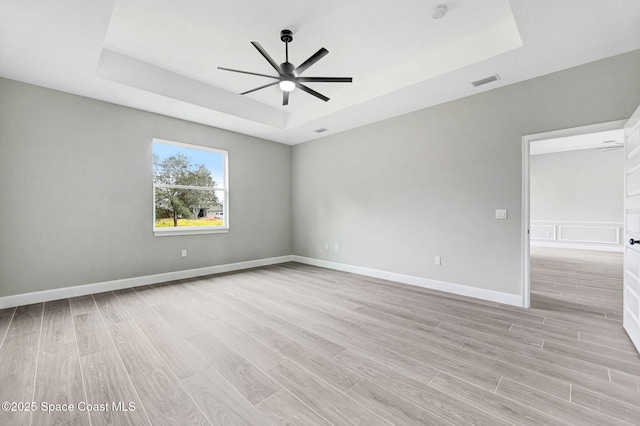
point(180, 165)
point(179, 207)
point(189, 188)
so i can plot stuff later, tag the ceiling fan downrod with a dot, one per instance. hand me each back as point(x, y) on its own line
point(287, 37)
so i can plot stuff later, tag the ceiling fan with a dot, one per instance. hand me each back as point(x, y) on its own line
point(288, 75)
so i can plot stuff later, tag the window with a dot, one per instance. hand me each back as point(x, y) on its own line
point(190, 188)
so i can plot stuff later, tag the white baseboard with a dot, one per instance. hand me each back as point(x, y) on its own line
point(82, 290)
point(459, 289)
point(578, 246)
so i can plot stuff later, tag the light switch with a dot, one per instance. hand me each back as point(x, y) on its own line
point(501, 213)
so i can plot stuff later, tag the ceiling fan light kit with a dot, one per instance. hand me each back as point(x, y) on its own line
point(287, 85)
point(288, 77)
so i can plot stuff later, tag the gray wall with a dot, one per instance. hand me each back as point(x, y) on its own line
point(396, 193)
point(584, 185)
point(76, 190)
point(76, 193)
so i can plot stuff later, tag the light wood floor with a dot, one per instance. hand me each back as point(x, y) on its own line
point(294, 344)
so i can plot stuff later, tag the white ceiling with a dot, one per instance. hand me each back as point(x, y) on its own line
point(162, 56)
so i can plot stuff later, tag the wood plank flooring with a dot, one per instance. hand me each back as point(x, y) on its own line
point(297, 345)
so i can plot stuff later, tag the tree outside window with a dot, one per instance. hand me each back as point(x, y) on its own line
point(189, 189)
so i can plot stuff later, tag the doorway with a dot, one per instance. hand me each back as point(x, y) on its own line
point(578, 235)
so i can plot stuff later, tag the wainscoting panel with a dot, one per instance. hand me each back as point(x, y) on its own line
point(543, 232)
point(604, 236)
point(586, 234)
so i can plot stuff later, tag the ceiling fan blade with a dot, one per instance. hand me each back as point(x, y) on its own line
point(312, 60)
point(267, 57)
point(261, 87)
point(285, 98)
point(325, 79)
point(312, 92)
point(247, 72)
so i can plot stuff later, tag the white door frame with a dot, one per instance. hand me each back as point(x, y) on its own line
point(526, 142)
point(630, 310)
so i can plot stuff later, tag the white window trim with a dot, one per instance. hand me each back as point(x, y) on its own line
point(195, 230)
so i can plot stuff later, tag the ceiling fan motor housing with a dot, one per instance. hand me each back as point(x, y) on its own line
point(288, 68)
point(286, 36)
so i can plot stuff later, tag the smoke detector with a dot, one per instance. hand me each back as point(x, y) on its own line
point(439, 11)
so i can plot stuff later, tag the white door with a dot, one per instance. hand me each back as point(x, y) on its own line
point(631, 313)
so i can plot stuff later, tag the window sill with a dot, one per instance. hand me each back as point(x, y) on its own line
point(170, 232)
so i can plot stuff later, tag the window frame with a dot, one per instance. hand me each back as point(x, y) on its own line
point(194, 230)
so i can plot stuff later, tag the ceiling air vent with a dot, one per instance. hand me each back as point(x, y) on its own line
point(486, 80)
point(321, 130)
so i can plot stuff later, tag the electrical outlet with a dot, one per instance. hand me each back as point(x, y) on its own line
point(184, 253)
point(437, 260)
point(336, 247)
point(326, 246)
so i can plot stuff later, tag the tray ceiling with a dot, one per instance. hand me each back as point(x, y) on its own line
point(162, 56)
